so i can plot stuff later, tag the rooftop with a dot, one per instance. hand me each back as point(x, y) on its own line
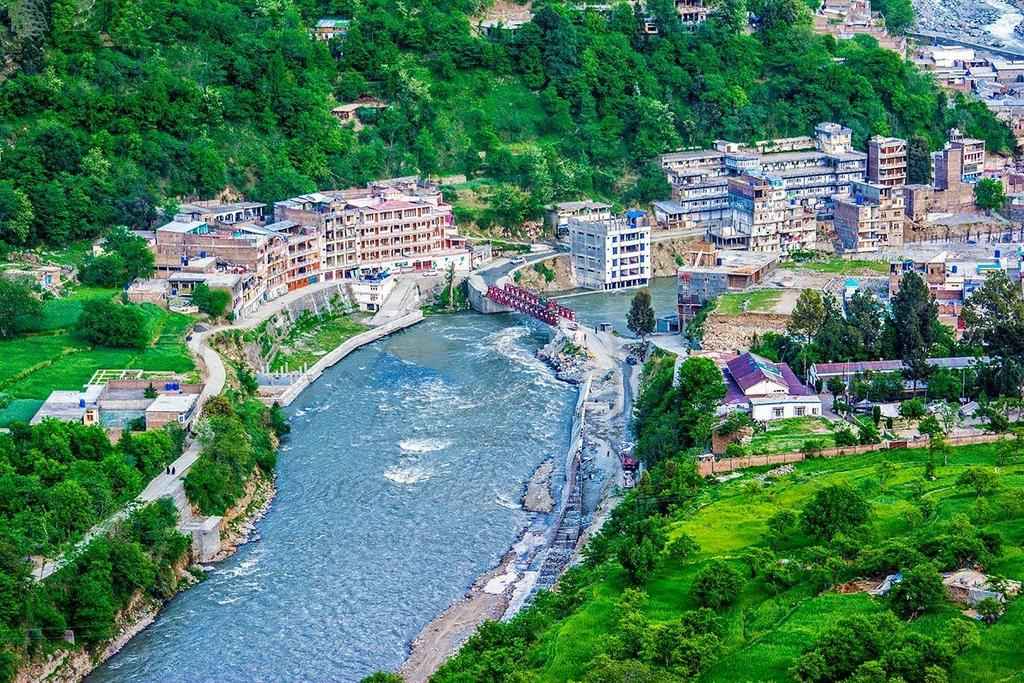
point(173, 403)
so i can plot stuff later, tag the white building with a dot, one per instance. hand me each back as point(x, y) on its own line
point(611, 254)
point(372, 291)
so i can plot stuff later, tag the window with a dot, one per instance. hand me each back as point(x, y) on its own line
point(800, 411)
point(778, 412)
point(814, 411)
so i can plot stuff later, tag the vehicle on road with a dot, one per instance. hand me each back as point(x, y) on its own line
point(518, 261)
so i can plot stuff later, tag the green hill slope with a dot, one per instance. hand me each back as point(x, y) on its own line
point(112, 108)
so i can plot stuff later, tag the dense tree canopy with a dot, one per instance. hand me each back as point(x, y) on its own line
point(115, 108)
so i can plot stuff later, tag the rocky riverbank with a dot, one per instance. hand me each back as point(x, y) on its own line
point(967, 19)
point(538, 490)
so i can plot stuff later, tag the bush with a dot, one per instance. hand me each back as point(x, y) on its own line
point(717, 585)
point(212, 302)
point(844, 436)
point(735, 450)
point(106, 323)
point(912, 409)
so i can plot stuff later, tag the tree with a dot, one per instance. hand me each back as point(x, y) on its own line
point(717, 585)
point(865, 313)
point(16, 214)
point(808, 315)
point(989, 194)
point(105, 323)
point(213, 302)
point(834, 509)
point(919, 161)
point(920, 590)
point(20, 308)
point(981, 480)
point(994, 315)
point(700, 389)
point(836, 386)
point(139, 260)
point(914, 318)
point(640, 319)
point(913, 409)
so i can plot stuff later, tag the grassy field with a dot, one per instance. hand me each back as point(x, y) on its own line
point(785, 436)
point(757, 301)
point(32, 366)
point(839, 266)
point(310, 339)
point(767, 630)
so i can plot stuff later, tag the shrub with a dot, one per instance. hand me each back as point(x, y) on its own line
point(912, 409)
point(834, 509)
point(212, 302)
point(919, 591)
point(844, 436)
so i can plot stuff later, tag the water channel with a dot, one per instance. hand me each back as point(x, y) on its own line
point(399, 484)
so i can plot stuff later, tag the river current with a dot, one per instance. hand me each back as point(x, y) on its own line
point(398, 486)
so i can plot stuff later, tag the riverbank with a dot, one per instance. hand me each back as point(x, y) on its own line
point(544, 547)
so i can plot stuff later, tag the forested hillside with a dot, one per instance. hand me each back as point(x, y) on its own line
point(110, 109)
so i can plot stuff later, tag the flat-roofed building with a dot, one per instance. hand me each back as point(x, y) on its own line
point(612, 253)
point(558, 215)
point(887, 161)
point(215, 211)
point(872, 218)
point(398, 225)
point(719, 272)
point(768, 218)
point(168, 408)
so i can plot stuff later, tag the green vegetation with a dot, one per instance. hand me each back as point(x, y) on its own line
point(757, 301)
point(32, 366)
point(19, 308)
point(989, 194)
point(640, 319)
point(212, 302)
point(770, 557)
point(105, 323)
point(120, 107)
point(126, 257)
point(312, 337)
point(841, 266)
point(791, 435)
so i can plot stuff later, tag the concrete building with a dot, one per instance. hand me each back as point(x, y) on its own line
point(716, 273)
point(370, 292)
point(813, 171)
point(347, 114)
point(557, 216)
point(823, 372)
point(155, 291)
point(887, 161)
point(397, 225)
point(955, 169)
point(872, 218)
point(769, 391)
point(765, 219)
point(330, 27)
point(216, 212)
point(168, 408)
point(612, 253)
point(692, 12)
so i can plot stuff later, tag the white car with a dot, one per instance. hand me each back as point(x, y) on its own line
point(518, 261)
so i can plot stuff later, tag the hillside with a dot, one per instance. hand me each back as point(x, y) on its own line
point(764, 577)
point(112, 109)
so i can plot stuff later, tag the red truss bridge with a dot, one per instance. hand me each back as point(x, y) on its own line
point(531, 303)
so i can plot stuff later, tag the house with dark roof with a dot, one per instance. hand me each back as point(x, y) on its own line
point(769, 391)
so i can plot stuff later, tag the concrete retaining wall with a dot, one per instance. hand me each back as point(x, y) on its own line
point(313, 373)
point(708, 466)
point(476, 290)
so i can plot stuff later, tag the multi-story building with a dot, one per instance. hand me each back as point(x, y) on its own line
point(558, 215)
point(955, 169)
point(216, 212)
point(402, 224)
point(813, 171)
point(871, 218)
point(765, 218)
point(887, 161)
point(614, 253)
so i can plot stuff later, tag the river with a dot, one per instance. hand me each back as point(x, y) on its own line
point(399, 484)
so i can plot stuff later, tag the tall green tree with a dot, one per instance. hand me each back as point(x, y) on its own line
point(989, 194)
point(914, 319)
point(994, 315)
point(19, 307)
point(640, 319)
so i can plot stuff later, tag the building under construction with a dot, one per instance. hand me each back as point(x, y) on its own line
point(708, 274)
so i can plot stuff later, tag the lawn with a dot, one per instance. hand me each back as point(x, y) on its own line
point(61, 313)
point(765, 631)
point(757, 301)
point(311, 338)
point(840, 266)
point(789, 435)
point(34, 365)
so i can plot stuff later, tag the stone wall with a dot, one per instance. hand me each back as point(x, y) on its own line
point(708, 465)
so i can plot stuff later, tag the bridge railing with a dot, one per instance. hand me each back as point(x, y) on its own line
point(531, 303)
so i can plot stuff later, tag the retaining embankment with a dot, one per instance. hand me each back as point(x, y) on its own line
point(708, 466)
point(313, 373)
